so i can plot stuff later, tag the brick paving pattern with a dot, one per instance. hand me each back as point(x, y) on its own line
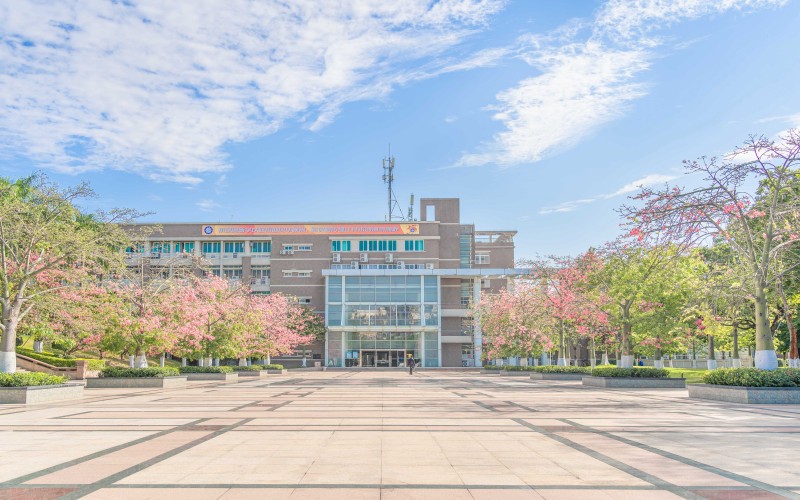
point(389, 435)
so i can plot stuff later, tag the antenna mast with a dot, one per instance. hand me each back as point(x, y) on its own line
point(391, 199)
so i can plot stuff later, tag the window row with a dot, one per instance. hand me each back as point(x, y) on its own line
point(294, 273)
point(236, 246)
point(383, 315)
point(378, 246)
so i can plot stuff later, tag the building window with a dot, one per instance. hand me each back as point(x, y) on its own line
point(303, 300)
point(340, 246)
point(260, 246)
point(234, 247)
point(138, 248)
point(465, 250)
point(486, 283)
point(211, 247)
point(259, 271)
point(377, 246)
point(466, 292)
point(303, 248)
point(294, 273)
point(184, 246)
point(232, 272)
point(414, 245)
point(481, 258)
point(159, 247)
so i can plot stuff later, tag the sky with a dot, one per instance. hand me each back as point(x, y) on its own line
point(542, 116)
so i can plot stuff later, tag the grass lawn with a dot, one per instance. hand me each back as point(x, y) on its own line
point(692, 375)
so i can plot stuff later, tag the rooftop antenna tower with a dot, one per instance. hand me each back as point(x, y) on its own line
point(391, 200)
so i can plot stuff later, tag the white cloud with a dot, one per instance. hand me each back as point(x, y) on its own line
point(207, 205)
point(159, 88)
point(631, 187)
point(590, 74)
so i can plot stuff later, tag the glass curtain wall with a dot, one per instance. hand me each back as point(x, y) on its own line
point(381, 303)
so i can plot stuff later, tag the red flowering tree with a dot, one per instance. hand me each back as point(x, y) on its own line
point(760, 226)
point(516, 322)
point(272, 325)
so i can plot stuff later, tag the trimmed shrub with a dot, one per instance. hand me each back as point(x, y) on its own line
point(52, 359)
point(510, 368)
point(206, 369)
point(562, 369)
point(24, 379)
point(255, 368)
point(492, 367)
point(640, 372)
point(753, 377)
point(154, 372)
point(252, 368)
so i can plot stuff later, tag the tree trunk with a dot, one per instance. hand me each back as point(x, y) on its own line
point(766, 358)
point(737, 363)
point(593, 355)
point(8, 344)
point(183, 361)
point(712, 359)
point(38, 346)
point(269, 359)
point(604, 361)
point(626, 360)
point(658, 361)
point(562, 349)
point(162, 361)
point(787, 312)
point(242, 361)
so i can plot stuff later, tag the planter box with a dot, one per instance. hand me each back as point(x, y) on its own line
point(278, 372)
point(253, 373)
point(746, 395)
point(634, 382)
point(516, 373)
point(557, 376)
point(225, 377)
point(491, 372)
point(136, 382)
point(40, 393)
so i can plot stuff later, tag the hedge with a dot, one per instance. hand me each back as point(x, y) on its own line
point(510, 368)
point(123, 372)
point(206, 369)
point(753, 377)
point(492, 367)
point(23, 379)
point(255, 368)
point(562, 369)
point(640, 372)
point(52, 359)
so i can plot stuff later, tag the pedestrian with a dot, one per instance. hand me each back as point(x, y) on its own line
point(411, 365)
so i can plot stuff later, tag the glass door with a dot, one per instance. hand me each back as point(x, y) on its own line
point(367, 358)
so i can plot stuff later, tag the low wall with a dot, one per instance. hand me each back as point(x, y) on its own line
point(226, 377)
point(253, 374)
point(136, 382)
point(634, 382)
point(79, 372)
point(557, 376)
point(40, 393)
point(746, 395)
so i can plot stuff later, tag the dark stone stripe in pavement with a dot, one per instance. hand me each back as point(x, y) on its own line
point(688, 461)
point(113, 478)
point(91, 456)
point(628, 469)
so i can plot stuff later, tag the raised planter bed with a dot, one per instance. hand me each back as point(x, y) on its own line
point(40, 393)
point(225, 377)
point(484, 371)
point(253, 373)
point(634, 382)
point(136, 382)
point(746, 395)
point(557, 376)
point(277, 372)
point(515, 373)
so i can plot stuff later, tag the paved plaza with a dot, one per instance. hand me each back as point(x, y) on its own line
point(384, 434)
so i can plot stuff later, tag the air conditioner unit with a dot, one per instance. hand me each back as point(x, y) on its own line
point(389, 257)
point(287, 252)
point(364, 257)
point(428, 266)
point(235, 255)
point(155, 255)
point(354, 264)
point(400, 264)
point(337, 257)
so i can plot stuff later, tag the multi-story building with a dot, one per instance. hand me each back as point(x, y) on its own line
point(387, 290)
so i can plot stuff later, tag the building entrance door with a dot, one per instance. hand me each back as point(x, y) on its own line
point(383, 358)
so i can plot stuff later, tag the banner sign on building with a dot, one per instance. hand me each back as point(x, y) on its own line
point(376, 229)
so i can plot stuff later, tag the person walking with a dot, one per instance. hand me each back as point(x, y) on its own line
point(411, 364)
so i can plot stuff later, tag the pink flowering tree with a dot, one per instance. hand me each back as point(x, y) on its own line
point(272, 325)
point(206, 315)
point(516, 322)
point(760, 226)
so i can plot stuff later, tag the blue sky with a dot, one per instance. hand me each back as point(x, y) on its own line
point(541, 116)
